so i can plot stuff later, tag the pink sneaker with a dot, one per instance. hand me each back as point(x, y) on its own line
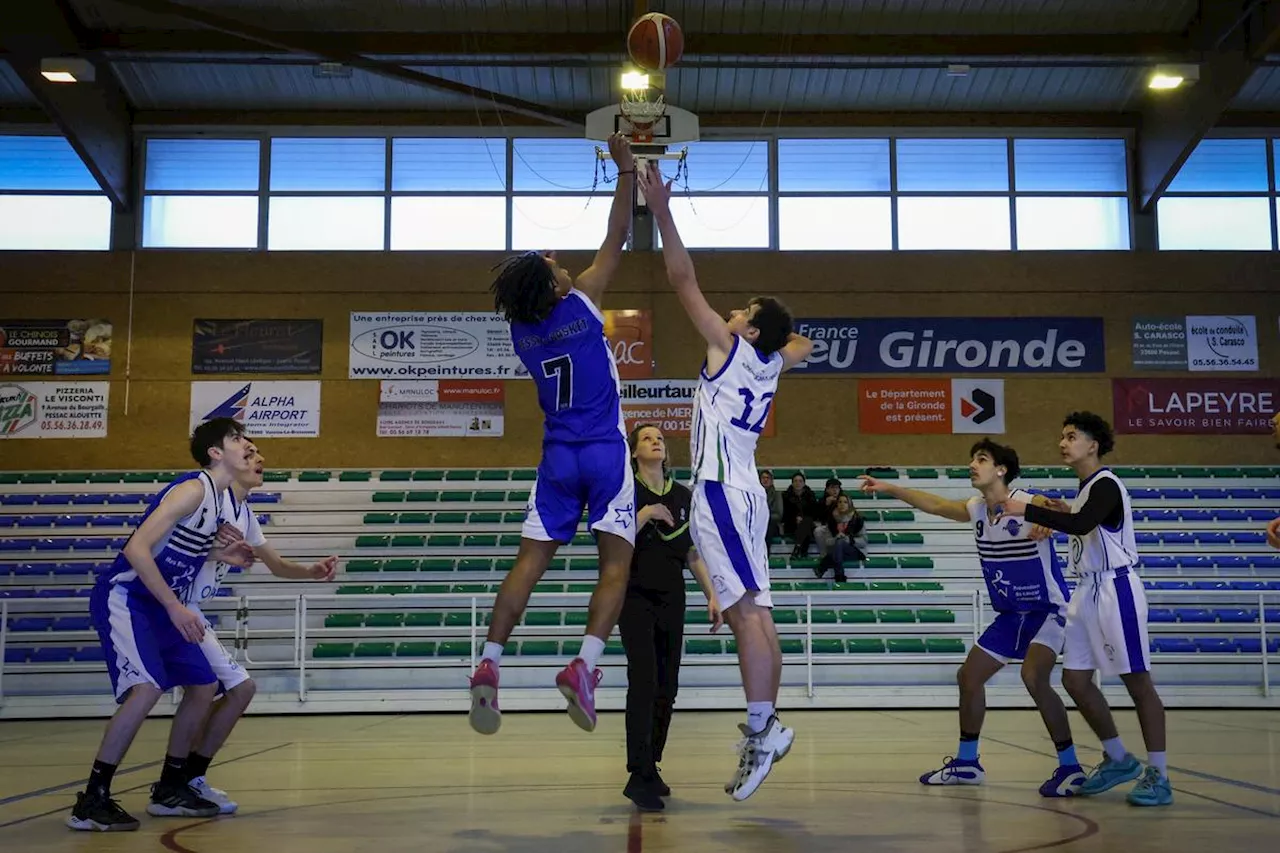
point(578, 685)
point(485, 717)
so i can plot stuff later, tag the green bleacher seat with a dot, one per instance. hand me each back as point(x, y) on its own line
point(375, 650)
point(870, 516)
point(388, 497)
point(1195, 473)
point(922, 473)
point(887, 586)
point(408, 541)
point(704, 647)
point(823, 617)
point(1129, 473)
point(333, 650)
point(491, 475)
point(475, 564)
point(384, 620)
point(614, 647)
point(454, 649)
point(963, 473)
point(880, 563)
point(540, 647)
point(776, 563)
point(848, 473)
point(546, 586)
point(12, 479)
point(1030, 471)
point(70, 477)
point(575, 617)
point(697, 616)
point(484, 518)
point(461, 474)
point(493, 497)
point(381, 517)
point(480, 540)
point(1229, 473)
point(583, 539)
point(819, 477)
point(100, 478)
point(858, 617)
point(516, 496)
point(314, 476)
point(906, 538)
point(416, 649)
point(862, 496)
point(896, 515)
point(524, 474)
point(403, 564)
point(828, 646)
point(850, 586)
point(458, 619)
point(558, 564)
point(915, 562)
point(393, 589)
point(450, 518)
point(431, 589)
point(792, 647)
point(437, 564)
point(543, 618)
point(277, 476)
point(513, 517)
point(455, 497)
point(344, 620)
point(364, 565)
point(865, 645)
point(428, 476)
point(883, 474)
point(445, 540)
point(395, 476)
point(509, 540)
point(784, 616)
point(874, 538)
point(1061, 474)
point(804, 562)
point(580, 587)
point(504, 564)
point(422, 496)
point(469, 588)
point(355, 476)
point(894, 616)
point(417, 517)
point(373, 541)
point(778, 586)
point(130, 477)
point(424, 619)
point(355, 590)
point(931, 615)
point(924, 586)
point(944, 645)
point(812, 586)
point(682, 474)
point(906, 645)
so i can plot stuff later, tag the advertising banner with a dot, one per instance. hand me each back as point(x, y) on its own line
point(930, 406)
point(53, 409)
point(55, 347)
point(1195, 406)
point(267, 409)
point(1198, 343)
point(257, 346)
point(447, 407)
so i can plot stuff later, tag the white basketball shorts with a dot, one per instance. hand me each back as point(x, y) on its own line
point(728, 527)
point(1107, 624)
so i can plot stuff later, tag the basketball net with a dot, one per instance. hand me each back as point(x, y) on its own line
point(642, 114)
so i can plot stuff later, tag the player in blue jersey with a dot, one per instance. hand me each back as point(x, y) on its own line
point(557, 329)
point(151, 639)
point(1029, 595)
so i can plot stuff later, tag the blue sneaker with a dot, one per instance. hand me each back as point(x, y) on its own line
point(1065, 781)
point(1110, 773)
point(1153, 789)
point(955, 771)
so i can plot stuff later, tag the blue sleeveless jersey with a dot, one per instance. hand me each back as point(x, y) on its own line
point(181, 553)
point(569, 359)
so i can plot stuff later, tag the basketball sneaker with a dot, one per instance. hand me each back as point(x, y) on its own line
point(955, 771)
point(659, 785)
point(97, 812)
point(485, 716)
point(178, 800)
point(757, 753)
point(205, 791)
point(578, 685)
point(1065, 781)
point(1153, 789)
point(642, 791)
point(1110, 773)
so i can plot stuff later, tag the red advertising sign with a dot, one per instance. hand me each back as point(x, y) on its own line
point(1195, 406)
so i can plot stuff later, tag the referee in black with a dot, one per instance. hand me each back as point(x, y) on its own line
point(652, 620)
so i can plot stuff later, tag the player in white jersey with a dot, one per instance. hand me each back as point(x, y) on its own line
point(1029, 595)
point(729, 514)
point(236, 687)
point(1107, 619)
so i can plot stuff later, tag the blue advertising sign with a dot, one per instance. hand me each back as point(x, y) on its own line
point(954, 345)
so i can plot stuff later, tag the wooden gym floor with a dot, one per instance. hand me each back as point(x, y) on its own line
point(427, 783)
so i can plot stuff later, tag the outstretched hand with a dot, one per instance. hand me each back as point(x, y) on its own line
point(620, 151)
point(657, 194)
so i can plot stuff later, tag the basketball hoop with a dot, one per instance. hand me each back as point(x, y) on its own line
point(641, 115)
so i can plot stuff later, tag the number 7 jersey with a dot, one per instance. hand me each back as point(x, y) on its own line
point(729, 414)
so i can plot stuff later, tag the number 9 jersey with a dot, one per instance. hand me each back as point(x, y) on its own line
point(729, 414)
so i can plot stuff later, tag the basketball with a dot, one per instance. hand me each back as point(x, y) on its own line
point(655, 41)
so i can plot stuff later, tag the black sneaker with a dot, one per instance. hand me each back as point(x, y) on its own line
point(659, 785)
point(179, 801)
point(97, 812)
point(640, 790)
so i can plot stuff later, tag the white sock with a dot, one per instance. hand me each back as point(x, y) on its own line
point(1114, 749)
point(758, 714)
point(493, 652)
point(592, 648)
point(1158, 761)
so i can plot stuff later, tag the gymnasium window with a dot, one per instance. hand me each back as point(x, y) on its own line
point(1223, 199)
point(48, 198)
point(201, 193)
point(720, 199)
point(328, 194)
point(449, 194)
point(1071, 194)
point(559, 198)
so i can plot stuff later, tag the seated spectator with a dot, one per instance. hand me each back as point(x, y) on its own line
point(827, 504)
point(774, 501)
point(799, 509)
point(842, 538)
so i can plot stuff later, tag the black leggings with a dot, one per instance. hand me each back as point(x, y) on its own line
point(652, 628)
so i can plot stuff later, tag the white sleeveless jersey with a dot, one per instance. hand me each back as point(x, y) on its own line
point(1021, 574)
point(209, 579)
point(729, 414)
point(1104, 548)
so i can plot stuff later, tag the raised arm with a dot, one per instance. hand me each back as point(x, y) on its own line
point(595, 278)
point(795, 351)
point(708, 322)
point(1104, 504)
point(923, 501)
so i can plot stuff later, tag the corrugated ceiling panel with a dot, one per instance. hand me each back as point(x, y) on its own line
point(13, 92)
point(1261, 93)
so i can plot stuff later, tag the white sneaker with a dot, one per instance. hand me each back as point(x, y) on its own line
point(203, 789)
point(757, 752)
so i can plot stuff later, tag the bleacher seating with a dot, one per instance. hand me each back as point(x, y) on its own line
point(424, 551)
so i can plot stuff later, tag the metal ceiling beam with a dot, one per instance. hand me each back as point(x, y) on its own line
point(310, 44)
point(1164, 46)
point(93, 116)
point(1238, 35)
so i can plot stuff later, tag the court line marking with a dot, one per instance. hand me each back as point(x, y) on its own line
point(67, 785)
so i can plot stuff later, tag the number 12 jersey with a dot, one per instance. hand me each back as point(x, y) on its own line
point(730, 411)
